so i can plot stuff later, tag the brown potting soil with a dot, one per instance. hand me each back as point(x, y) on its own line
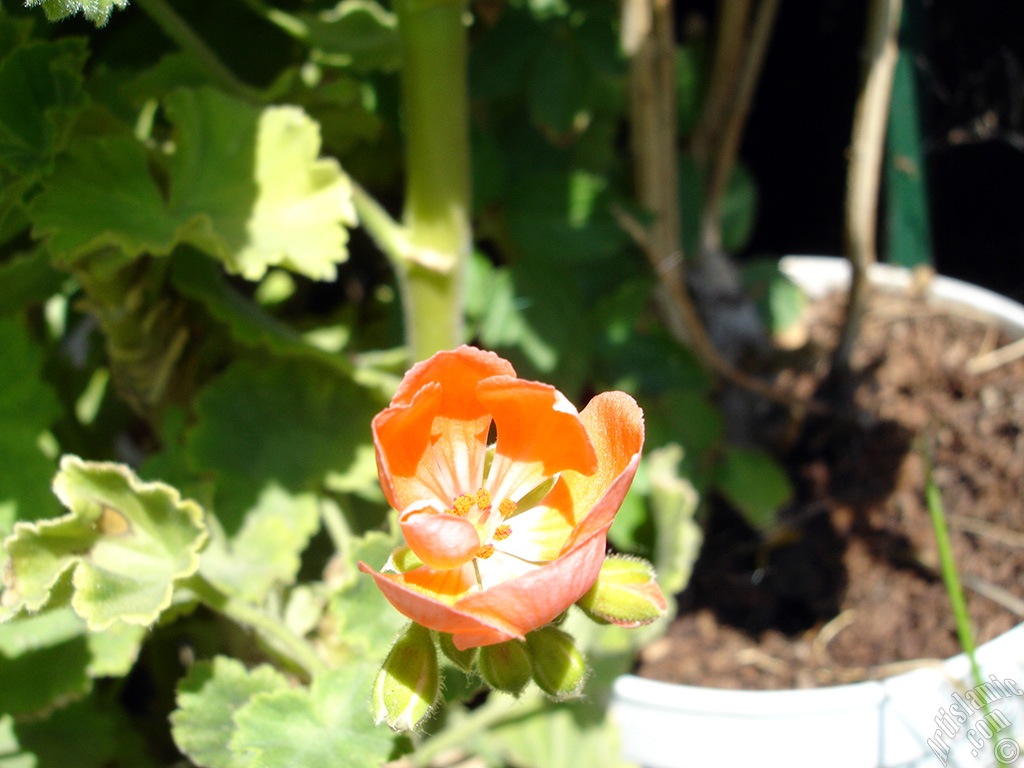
point(849, 588)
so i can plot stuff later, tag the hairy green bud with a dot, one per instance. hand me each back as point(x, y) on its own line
point(506, 666)
point(408, 685)
point(625, 593)
point(464, 660)
point(558, 666)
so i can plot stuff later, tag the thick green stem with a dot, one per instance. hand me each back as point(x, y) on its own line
point(289, 647)
point(437, 204)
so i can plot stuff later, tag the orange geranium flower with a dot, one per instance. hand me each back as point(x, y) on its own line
point(501, 539)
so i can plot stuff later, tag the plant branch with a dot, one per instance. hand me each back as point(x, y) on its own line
point(865, 168)
point(390, 236)
point(653, 138)
point(289, 647)
point(735, 119)
point(176, 28)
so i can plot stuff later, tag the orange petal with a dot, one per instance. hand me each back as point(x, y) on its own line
point(615, 425)
point(532, 600)
point(401, 435)
point(440, 540)
point(419, 605)
point(457, 371)
point(536, 424)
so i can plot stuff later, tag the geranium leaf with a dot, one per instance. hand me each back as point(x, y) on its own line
point(101, 195)
point(674, 503)
point(356, 33)
point(208, 698)
point(253, 188)
point(124, 542)
point(320, 727)
point(40, 94)
point(287, 421)
point(28, 406)
point(755, 484)
point(266, 549)
point(11, 753)
point(50, 657)
point(96, 11)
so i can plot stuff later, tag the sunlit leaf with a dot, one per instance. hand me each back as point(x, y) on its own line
point(253, 189)
point(266, 550)
point(674, 503)
point(320, 727)
point(96, 11)
point(208, 699)
point(28, 406)
point(284, 421)
point(124, 542)
point(11, 753)
point(356, 33)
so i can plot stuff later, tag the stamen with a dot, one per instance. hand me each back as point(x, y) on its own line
point(483, 499)
point(502, 532)
point(507, 508)
point(485, 551)
point(462, 504)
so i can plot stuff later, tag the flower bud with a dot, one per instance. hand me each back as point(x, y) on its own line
point(558, 666)
point(625, 593)
point(505, 666)
point(408, 684)
point(461, 659)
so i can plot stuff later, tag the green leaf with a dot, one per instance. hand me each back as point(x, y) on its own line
point(96, 11)
point(86, 734)
point(49, 658)
point(245, 186)
point(11, 753)
point(674, 502)
point(266, 550)
point(27, 279)
point(208, 699)
point(755, 484)
point(124, 542)
point(356, 33)
point(40, 94)
point(780, 301)
point(253, 189)
point(365, 620)
point(197, 276)
point(101, 195)
point(320, 727)
point(28, 406)
point(266, 420)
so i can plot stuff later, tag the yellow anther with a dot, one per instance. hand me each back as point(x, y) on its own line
point(507, 508)
point(502, 532)
point(483, 499)
point(462, 504)
point(485, 551)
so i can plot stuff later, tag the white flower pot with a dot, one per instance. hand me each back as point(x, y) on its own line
point(921, 718)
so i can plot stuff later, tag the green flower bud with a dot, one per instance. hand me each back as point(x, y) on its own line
point(505, 666)
point(462, 659)
point(408, 685)
point(558, 666)
point(625, 593)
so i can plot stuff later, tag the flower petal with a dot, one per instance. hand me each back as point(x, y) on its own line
point(537, 597)
point(431, 440)
point(440, 540)
point(416, 603)
point(536, 424)
point(538, 534)
point(615, 425)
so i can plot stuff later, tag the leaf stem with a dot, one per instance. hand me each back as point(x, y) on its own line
point(495, 711)
point(176, 28)
point(289, 647)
